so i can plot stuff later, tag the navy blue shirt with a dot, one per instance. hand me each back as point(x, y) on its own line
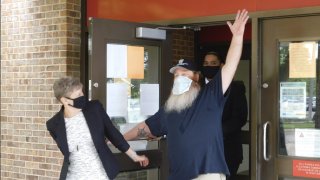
point(194, 136)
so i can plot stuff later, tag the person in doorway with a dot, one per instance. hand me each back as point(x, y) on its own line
point(191, 117)
point(234, 116)
point(80, 129)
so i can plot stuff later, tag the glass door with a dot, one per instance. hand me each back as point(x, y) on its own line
point(289, 132)
point(125, 74)
point(132, 93)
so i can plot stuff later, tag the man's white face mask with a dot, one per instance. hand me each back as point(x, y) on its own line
point(181, 85)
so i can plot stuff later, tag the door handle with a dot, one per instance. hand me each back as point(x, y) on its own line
point(96, 85)
point(265, 129)
point(265, 85)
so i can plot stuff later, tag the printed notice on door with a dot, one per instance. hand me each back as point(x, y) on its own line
point(307, 142)
point(308, 169)
point(293, 100)
point(302, 59)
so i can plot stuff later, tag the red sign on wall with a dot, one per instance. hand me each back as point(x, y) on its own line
point(302, 168)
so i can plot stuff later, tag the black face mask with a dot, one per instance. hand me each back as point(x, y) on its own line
point(210, 71)
point(79, 102)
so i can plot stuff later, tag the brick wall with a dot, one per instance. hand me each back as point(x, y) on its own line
point(40, 42)
point(183, 45)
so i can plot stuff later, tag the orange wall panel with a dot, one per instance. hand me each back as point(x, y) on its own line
point(151, 10)
point(263, 5)
point(146, 10)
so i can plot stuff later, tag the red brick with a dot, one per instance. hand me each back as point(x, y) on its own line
point(33, 35)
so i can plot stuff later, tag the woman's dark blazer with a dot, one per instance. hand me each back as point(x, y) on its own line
point(100, 126)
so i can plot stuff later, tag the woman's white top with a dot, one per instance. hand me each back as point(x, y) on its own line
point(84, 160)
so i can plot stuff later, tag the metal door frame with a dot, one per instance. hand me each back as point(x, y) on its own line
point(101, 32)
point(278, 164)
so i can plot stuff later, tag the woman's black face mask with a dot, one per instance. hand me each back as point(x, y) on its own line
point(79, 102)
point(210, 71)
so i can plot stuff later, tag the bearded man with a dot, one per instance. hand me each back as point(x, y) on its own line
point(191, 118)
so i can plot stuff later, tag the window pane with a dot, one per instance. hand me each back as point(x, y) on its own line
point(132, 87)
point(299, 133)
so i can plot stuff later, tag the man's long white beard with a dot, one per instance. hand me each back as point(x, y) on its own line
point(180, 102)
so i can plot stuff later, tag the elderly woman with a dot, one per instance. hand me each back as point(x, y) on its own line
point(80, 129)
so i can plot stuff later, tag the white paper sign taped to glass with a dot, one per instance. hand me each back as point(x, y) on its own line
point(293, 100)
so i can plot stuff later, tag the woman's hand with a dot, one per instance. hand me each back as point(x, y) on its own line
point(143, 160)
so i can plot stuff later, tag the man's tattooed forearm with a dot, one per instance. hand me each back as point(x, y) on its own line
point(142, 133)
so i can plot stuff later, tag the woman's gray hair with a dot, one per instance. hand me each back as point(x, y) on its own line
point(64, 86)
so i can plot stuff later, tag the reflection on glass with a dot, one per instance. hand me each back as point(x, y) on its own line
point(151, 174)
point(140, 70)
point(132, 89)
point(132, 86)
point(299, 133)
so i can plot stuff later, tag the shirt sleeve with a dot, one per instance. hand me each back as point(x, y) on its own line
point(215, 85)
point(156, 124)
